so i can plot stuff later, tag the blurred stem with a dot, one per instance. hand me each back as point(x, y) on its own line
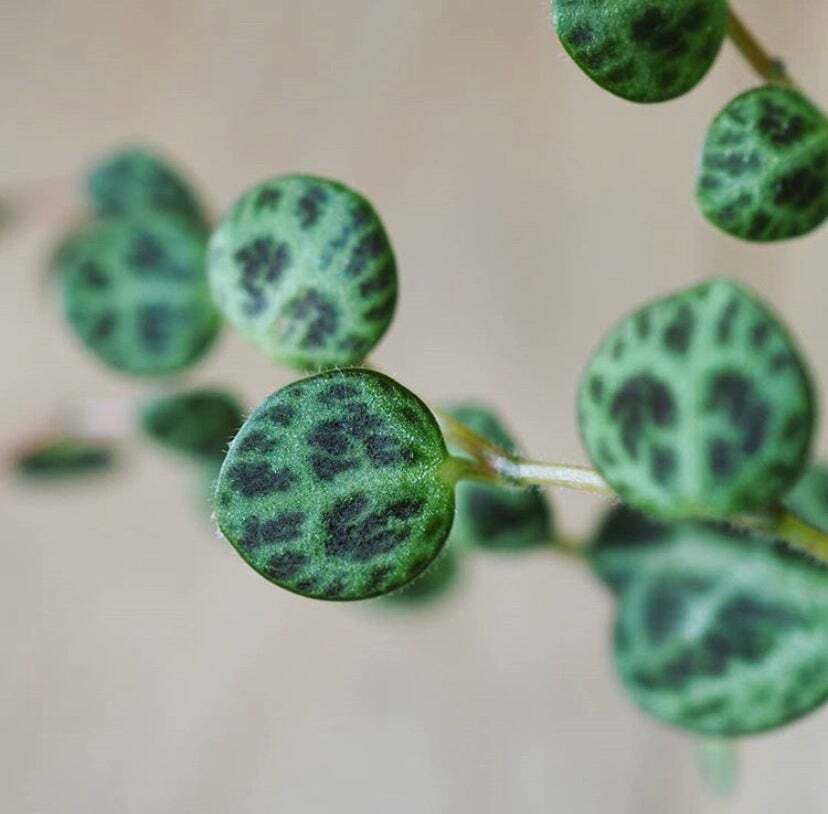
point(770, 68)
point(718, 761)
point(797, 532)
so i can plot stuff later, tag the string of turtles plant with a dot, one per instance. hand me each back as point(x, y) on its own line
point(763, 173)
point(697, 411)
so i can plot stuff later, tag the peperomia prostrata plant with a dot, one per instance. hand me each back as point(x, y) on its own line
point(697, 411)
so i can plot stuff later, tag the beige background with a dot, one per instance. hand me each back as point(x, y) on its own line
point(145, 669)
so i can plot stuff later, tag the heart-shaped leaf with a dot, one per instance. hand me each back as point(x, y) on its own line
point(764, 169)
point(647, 51)
point(698, 405)
point(718, 631)
point(494, 517)
point(135, 292)
point(199, 422)
point(303, 267)
point(338, 486)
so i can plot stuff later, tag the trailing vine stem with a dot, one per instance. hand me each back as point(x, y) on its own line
point(493, 463)
point(770, 68)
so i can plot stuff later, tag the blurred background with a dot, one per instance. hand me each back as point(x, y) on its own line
point(146, 668)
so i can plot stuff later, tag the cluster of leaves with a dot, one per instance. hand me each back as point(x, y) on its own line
point(763, 174)
point(133, 275)
point(696, 409)
point(700, 406)
point(133, 281)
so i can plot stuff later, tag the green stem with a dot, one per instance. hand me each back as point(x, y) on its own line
point(566, 476)
point(457, 469)
point(490, 462)
point(496, 463)
point(719, 764)
point(769, 68)
point(797, 532)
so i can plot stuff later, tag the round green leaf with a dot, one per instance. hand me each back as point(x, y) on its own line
point(338, 486)
point(302, 266)
point(698, 405)
point(497, 518)
point(135, 292)
point(647, 51)
point(200, 422)
point(137, 180)
point(764, 168)
point(433, 584)
point(718, 631)
point(65, 458)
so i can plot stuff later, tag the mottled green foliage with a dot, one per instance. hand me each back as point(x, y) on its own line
point(808, 500)
point(65, 458)
point(698, 405)
point(764, 170)
point(502, 518)
point(433, 584)
point(200, 422)
point(338, 486)
point(623, 544)
point(302, 266)
point(718, 631)
point(642, 50)
point(135, 292)
point(137, 180)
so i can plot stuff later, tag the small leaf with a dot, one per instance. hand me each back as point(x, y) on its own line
point(432, 585)
point(698, 405)
point(498, 518)
point(199, 422)
point(718, 631)
point(135, 292)
point(65, 458)
point(302, 266)
point(136, 180)
point(338, 486)
point(642, 51)
point(764, 169)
